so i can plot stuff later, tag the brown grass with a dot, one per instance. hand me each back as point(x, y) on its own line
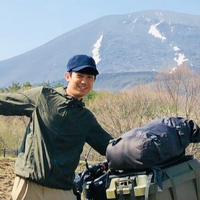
point(6, 177)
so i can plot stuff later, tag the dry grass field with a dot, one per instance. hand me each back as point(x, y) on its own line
point(6, 177)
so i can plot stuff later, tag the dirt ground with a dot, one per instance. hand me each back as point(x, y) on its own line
point(6, 177)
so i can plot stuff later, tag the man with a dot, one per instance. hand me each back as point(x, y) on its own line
point(58, 128)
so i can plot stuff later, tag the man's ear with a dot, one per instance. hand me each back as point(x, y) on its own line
point(67, 76)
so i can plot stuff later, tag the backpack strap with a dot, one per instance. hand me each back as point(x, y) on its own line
point(131, 188)
point(157, 175)
point(197, 179)
point(121, 194)
point(148, 186)
point(173, 184)
point(130, 185)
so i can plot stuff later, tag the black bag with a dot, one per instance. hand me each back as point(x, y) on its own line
point(156, 143)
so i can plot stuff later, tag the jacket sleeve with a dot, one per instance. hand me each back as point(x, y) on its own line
point(19, 103)
point(98, 138)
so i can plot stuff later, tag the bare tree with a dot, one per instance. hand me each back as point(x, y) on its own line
point(179, 90)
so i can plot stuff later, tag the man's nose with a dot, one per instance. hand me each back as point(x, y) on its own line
point(84, 80)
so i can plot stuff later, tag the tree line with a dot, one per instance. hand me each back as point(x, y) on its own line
point(173, 93)
point(15, 86)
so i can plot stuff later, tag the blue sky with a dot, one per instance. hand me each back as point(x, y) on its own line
point(27, 24)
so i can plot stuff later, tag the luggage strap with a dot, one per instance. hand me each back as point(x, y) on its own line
point(197, 179)
point(148, 185)
point(173, 184)
point(157, 173)
point(157, 176)
point(121, 194)
point(131, 190)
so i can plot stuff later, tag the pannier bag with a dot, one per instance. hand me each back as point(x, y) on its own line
point(180, 182)
point(156, 143)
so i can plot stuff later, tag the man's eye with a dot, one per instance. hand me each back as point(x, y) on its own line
point(79, 75)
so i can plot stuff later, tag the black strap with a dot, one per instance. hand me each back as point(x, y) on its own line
point(173, 184)
point(131, 188)
point(157, 174)
point(197, 179)
point(148, 186)
point(121, 194)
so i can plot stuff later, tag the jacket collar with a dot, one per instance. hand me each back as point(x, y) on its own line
point(62, 91)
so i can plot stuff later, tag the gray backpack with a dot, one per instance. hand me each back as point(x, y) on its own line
point(155, 144)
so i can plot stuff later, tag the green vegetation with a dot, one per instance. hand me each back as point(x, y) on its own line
point(174, 93)
point(16, 86)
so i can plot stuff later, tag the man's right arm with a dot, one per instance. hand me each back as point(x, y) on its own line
point(19, 103)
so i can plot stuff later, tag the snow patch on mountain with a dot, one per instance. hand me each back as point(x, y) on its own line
point(176, 48)
point(135, 20)
point(155, 32)
point(180, 58)
point(95, 51)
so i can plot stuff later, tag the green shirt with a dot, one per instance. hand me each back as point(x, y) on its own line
point(54, 139)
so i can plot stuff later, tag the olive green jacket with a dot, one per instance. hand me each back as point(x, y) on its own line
point(54, 139)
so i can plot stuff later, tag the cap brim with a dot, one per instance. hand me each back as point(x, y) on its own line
point(94, 70)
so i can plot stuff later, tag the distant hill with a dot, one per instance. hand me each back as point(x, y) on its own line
point(123, 46)
point(119, 81)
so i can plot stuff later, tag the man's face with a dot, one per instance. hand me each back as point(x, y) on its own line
point(79, 84)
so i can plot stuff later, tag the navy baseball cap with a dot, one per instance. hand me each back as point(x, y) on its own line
point(82, 63)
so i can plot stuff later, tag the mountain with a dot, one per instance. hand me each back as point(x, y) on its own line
point(123, 46)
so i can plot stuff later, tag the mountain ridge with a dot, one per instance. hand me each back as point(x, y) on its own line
point(151, 40)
